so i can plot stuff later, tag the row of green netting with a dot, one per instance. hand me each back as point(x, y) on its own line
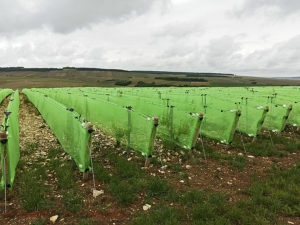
point(9, 146)
point(178, 110)
point(252, 102)
point(127, 126)
point(4, 93)
point(175, 125)
point(68, 126)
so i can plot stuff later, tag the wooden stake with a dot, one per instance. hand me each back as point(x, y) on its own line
point(152, 139)
point(285, 118)
point(261, 122)
point(129, 126)
point(196, 134)
point(236, 120)
point(90, 130)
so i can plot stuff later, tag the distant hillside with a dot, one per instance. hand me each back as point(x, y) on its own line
point(20, 77)
point(189, 74)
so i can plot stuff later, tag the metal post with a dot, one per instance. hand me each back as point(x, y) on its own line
point(152, 139)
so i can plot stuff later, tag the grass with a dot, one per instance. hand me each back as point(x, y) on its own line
point(280, 193)
point(162, 216)
point(30, 183)
point(236, 161)
point(30, 148)
point(42, 221)
point(73, 200)
point(266, 146)
point(101, 173)
point(157, 187)
point(123, 192)
point(65, 175)
point(277, 195)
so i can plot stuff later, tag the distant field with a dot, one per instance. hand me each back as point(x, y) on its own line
point(111, 78)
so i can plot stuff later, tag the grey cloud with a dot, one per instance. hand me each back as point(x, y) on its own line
point(278, 7)
point(64, 16)
point(181, 29)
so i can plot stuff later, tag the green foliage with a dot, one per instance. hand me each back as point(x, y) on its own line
point(30, 148)
point(73, 200)
point(280, 193)
point(162, 216)
point(125, 168)
point(84, 222)
point(65, 175)
point(157, 187)
point(42, 221)
point(123, 192)
point(101, 173)
point(238, 162)
point(32, 191)
point(123, 82)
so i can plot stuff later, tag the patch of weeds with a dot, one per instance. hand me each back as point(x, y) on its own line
point(53, 152)
point(292, 146)
point(185, 177)
point(192, 197)
point(73, 200)
point(84, 222)
point(65, 175)
point(139, 184)
point(30, 148)
point(101, 173)
point(175, 167)
point(32, 191)
point(42, 221)
point(123, 192)
point(26, 101)
point(21, 164)
point(155, 161)
point(157, 187)
point(163, 216)
point(124, 168)
point(211, 153)
point(278, 194)
point(238, 162)
point(40, 171)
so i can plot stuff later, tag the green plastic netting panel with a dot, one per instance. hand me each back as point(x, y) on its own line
point(67, 125)
point(4, 93)
point(147, 106)
point(218, 122)
point(10, 124)
point(175, 125)
point(127, 126)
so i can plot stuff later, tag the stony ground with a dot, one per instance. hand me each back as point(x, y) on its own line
point(126, 190)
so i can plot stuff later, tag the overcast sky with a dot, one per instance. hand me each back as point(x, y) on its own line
point(247, 37)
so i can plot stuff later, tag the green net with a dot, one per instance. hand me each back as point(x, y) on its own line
point(67, 125)
point(4, 93)
point(178, 110)
point(126, 125)
point(10, 150)
point(174, 125)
